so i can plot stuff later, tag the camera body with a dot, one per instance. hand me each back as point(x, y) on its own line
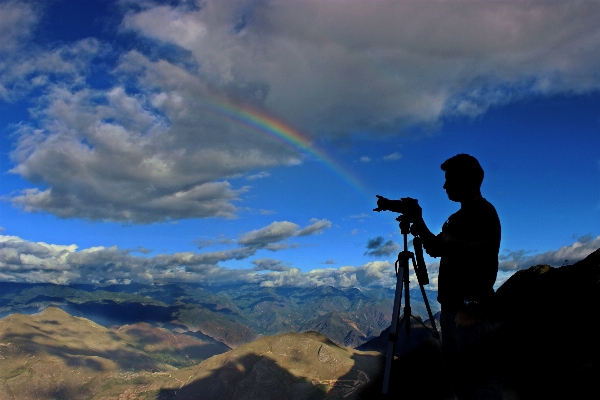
point(407, 206)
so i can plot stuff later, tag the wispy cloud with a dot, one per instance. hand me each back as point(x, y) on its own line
point(316, 227)
point(392, 157)
point(279, 231)
point(260, 175)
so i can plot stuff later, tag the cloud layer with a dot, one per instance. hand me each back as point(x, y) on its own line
point(24, 261)
point(164, 140)
point(515, 260)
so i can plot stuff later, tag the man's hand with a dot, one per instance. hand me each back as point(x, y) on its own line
point(412, 209)
point(418, 228)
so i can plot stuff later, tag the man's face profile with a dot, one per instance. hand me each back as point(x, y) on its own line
point(455, 186)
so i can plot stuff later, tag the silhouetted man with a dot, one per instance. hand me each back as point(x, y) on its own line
point(468, 246)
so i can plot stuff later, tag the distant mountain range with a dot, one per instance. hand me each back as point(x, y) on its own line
point(230, 315)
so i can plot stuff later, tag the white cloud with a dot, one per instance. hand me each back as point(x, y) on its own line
point(393, 157)
point(260, 175)
point(26, 66)
point(316, 227)
point(272, 233)
point(24, 261)
point(117, 159)
point(515, 260)
point(267, 212)
point(365, 159)
point(278, 231)
point(16, 22)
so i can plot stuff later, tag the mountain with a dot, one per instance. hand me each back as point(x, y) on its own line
point(287, 366)
point(229, 314)
point(547, 343)
point(53, 355)
point(352, 328)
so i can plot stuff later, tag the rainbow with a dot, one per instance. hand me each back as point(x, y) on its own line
point(267, 125)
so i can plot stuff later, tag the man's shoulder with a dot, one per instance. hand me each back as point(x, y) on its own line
point(483, 209)
point(485, 205)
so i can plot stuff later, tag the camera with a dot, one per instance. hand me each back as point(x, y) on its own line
point(407, 206)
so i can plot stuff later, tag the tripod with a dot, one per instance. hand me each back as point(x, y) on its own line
point(401, 268)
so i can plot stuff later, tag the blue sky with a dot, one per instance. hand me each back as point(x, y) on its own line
point(114, 169)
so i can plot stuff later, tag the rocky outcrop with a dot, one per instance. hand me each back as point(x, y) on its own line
point(545, 341)
point(547, 346)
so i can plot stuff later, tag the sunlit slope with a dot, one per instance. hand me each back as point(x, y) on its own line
point(287, 366)
point(54, 355)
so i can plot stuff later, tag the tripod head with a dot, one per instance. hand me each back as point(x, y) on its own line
point(405, 223)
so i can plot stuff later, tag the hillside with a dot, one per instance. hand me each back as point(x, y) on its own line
point(55, 355)
point(287, 366)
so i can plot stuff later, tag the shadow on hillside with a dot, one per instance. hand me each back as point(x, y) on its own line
point(250, 377)
point(417, 374)
point(109, 312)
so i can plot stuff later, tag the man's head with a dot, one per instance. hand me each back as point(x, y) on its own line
point(464, 176)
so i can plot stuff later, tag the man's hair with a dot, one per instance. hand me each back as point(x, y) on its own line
point(466, 166)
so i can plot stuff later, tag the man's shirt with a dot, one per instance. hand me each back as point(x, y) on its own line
point(468, 245)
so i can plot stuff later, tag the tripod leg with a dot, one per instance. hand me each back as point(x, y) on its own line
point(436, 333)
point(393, 336)
point(407, 308)
point(423, 279)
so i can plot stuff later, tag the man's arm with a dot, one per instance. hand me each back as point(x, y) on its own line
point(432, 243)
